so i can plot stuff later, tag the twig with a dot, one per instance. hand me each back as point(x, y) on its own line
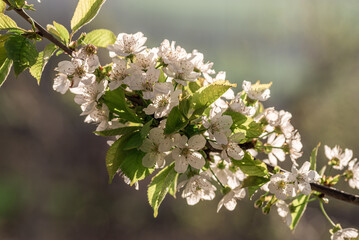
point(41, 31)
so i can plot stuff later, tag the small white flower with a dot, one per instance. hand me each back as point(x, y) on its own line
point(276, 152)
point(295, 147)
point(353, 170)
point(187, 153)
point(119, 73)
point(146, 59)
point(155, 147)
point(303, 177)
point(230, 199)
point(164, 100)
point(238, 105)
point(61, 83)
point(337, 157)
point(280, 187)
point(284, 212)
point(345, 234)
point(88, 54)
point(231, 148)
point(197, 188)
point(197, 60)
point(99, 115)
point(127, 44)
point(257, 91)
point(144, 82)
point(218, 127)
point(181, 71)
point(171, 54)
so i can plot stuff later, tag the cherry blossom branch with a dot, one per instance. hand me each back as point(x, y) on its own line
point(41, 30)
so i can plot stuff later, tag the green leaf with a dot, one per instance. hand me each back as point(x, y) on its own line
point(130, 162)
point(116, 102)
point(85, 11)
point(299, 204)
point(194, 86)
point(160, 186)
point(5, 70)
point(162, 77)
point(135, 141)
point(118, 131)
point(313, 158)
point(17, 3)
point(253, 183)
point(146, 129)
point(206, 95)
point(173, 188)
point(6, 22)
point(100, 38)
point(251, 167)
point(175, 121)
point(131, 166)
point(22, 51)
point(2, 6)
point(237, 118)
point(41, 61)
point(62, 32)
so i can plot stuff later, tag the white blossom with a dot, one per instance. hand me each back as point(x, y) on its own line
point(197, 60)
point(119, 73)
point(164, 100)
point(218, 127)
point(295, 147)
point(230, 199)
point(146, 59)
point(186, 153)
point(284, 211)
point(280, 186)
point(345, 234)
point(231, 148)
point(171, 54)
point(303, 177)
point(257, 91)
point(353, 172)
point(88, 54)
point(276, 153)
point(127, 44)
point(145, 82)
point(155, 147)
point(181, 71)
point(337, 157)
point(238, 105)
point(197, 188)
point(99, 115)
point(61, 83)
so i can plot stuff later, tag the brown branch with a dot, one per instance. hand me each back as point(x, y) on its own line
point(41, 31)
point(327, 191)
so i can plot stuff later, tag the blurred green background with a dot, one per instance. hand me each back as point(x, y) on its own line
point(53, 180)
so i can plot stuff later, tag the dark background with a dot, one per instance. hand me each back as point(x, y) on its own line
point(53, 179)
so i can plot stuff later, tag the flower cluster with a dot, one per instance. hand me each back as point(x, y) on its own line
point(170, 113)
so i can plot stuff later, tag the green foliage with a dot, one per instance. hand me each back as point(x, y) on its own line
point(160, 185)
point(5, 70)
point(41, 61)
point(253, 183)
point(242, 123)
point(116, 102)
point(146, 129)
point(85, 11)
point(6, 22)
point(129, 161)
point(2, 6)
point(162, 77)
point(175, 121)
point(100, 38)
point(251, 167)
point(299, 204)
point(207, 95)
point(237, 118)
point(21, 51)
point(313, 158)
point(135, 141)
point(17, 3)
point(63, 34)
point(118, 131)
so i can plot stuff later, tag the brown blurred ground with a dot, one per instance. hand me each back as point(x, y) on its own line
point(53, 180)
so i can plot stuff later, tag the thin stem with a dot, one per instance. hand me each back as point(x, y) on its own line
point(325, 214)
point(41, 31)
point(216, 178)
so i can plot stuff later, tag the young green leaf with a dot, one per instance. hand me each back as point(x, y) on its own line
point(160, 185)
point(253, 183)
point(116, 102)
point(22, 51)
point(237, 118)
point(313, 158)
point(206, 95)
point(175, 121)
point(2, 6)
point(251, 167)
point(118, 131)
point(17, 3)
point(85, 11)
point(129, 161)
point(100, 38)
point(4, 70)
point(135, 141)
point(6, 22)
point(162, 77)
point(41, 61)
point(299, 205)
point(146, 129)
point(62, 31)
